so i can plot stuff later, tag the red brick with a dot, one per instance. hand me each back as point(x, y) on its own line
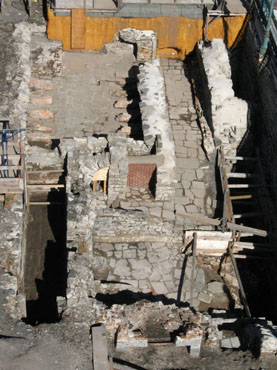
point(139, 175)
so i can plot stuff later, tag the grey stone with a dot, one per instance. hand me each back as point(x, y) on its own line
point(122, 268)
point(131, 253)
point(159, 287)
point(204, 297)
point(141, 269)
point(187, 163)
point(168, 215)
point(191, 208)
point(156, 211)
point(232, 342)
point(216, 287)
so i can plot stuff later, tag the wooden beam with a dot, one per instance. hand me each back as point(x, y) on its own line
point(245, 186)
point(238, 158)
point(44, 171)
point(78, 28)
point(46, 203)
point(100, 348)
point(200, 219)
point(243, 295)
point(239, 175)
point(45, 186)
point(194, 247)
point(239, 197)
point(248, 214)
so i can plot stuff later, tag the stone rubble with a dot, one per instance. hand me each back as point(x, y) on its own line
point(146, 42)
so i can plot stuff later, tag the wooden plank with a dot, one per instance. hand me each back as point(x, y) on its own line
point(245, 186)
point(240, 197)
point(194, 247)
point(45, 186)
point(248, 214)
point(200, 219)
point(250, 244)
point(46, 203)
point(209, 235)
point(100, 348)
point(78, 28)
point(244, 256)
point(237, 175)
point(238, 158)
point(45, 171)
point(243, 295)
point(247, 229)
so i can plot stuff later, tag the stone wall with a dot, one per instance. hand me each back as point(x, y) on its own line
point(12, 235)
point(226, 113)
point(156, 126)
point(116, 225)
point(118, 172)
point(146, 42)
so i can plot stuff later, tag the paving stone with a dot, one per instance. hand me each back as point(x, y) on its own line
point(191, 208)
point(216, 287)
point(122, 268)
point(180, 209)
point(169, 206)
point(159, 287)
point(187, 163)
point(106, 247)
point(141, 254)
point(141, 269)
point(170, 285)
point(155, 276)
point(186, 184)
point(198, 193)
point(168, 215)
point(232, 342)
point(204, 297)
point(156, 211)
point(131, 253)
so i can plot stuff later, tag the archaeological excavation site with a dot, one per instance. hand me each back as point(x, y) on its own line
point(138, 186)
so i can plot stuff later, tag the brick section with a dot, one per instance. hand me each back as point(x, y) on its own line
point(139, 175)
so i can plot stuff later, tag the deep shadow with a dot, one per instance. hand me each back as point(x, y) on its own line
point(128, 297)
point(153, 182)
point(182, 277)
point(133, 108)
point(53, 280)
point(44, 10)
point(126, 363)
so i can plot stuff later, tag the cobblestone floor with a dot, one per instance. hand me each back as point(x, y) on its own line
point(195, 190)
point(148, 267)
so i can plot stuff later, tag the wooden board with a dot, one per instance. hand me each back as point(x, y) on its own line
point(100, 348)
point(78, 28)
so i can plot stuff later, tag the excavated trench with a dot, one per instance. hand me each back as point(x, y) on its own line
point(46, 258)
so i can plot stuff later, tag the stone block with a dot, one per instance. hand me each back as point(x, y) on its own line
point(191, 208)
point(232, 342)
point(159, 287)
point(204, 297)
point(216, 287)
point(169, 215)
point(187, 163)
